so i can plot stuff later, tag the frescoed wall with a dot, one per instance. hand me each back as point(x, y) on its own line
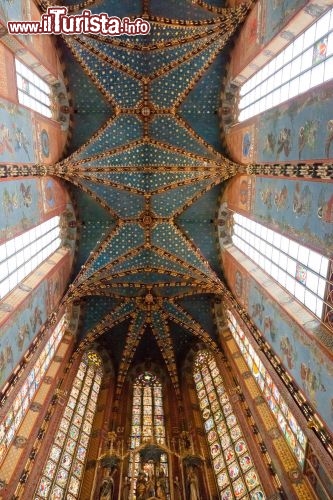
point(293, 131)
point(16, 134)
point(7, 87)
point(300, 130)
point(15, 11)
point(303, 210)
point(310, 367)
point(268, 28)
point(275, 14)
point(42, 45)
point(27, 202)
point(299, 209)
point(17, 333)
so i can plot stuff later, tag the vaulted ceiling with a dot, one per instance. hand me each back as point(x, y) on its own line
point(147, 168)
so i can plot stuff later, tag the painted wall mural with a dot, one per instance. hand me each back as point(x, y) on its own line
point(302, 210)
point(21, 329)
point(53, 194)
point(310, 367)
point(16, 11)
point(276, 13)
point(290, 131)
point(16, 134)
point(26, 202)
point(20, 206)
point(24, 324)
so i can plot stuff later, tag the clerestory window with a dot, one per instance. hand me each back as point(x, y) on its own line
point(303, 272)
point(303, 64)
point(21, 255)
point(33, 91)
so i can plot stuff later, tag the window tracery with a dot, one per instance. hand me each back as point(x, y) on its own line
point(21, 255)
point(286, 421)
point(233, 466)
point(300, 270)
point(63, 471)
point(306, 62)
point(33, 91)
point(148, 424)
point(14, 417)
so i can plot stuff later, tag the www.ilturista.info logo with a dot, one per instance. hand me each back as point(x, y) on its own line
point(56, 21)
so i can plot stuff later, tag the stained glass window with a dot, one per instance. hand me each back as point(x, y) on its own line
point(24, 253)
point(300, 270)
point(233, 466)
point(306, 62)
point(147, 419)
point(62, 473)
point(33, 92)
point(289, 427)
point(14, 417)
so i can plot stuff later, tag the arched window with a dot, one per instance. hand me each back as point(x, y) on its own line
point(301, 271)
point(233, 466)
point(148, 424)
point(14, 417)
point(62, 474)
point(306, 62)
point(21, 255)
point(292, 432)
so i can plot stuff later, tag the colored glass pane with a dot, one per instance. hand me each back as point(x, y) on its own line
point(73, 434)
point(235, 475)
point(286, 421)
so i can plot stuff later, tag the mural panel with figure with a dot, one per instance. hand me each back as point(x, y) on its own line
point(21, 329)
point(16, 134)
point(27, 202)
point(304, 360)
point(290, 131)
point(21, 206)
point(302, 210)
point(22, 326)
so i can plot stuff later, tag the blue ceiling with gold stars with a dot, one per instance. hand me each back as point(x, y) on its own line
point(147, 167)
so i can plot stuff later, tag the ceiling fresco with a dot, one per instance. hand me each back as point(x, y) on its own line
point(147, 170)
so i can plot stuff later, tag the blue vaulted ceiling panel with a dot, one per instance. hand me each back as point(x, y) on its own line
point(127, 236)
point(150, 258)
point(201, 107)
point(128, 94)
point(123, 129)
point(167, 129)
point(166, 236)
point(166, 89)
point(125, 204)
point(167, 203)
point(179, 10)
point(145, 155)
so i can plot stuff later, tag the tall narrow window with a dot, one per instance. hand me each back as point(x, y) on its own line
point(33, 92)
point(148, 425)
point(303, 64)
point(233, 466)
point(62, 474)
point(23, 254)
point(292, 432)
point(14, 417)
point(301, 271)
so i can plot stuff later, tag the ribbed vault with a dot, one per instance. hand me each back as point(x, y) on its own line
point(154, 155)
